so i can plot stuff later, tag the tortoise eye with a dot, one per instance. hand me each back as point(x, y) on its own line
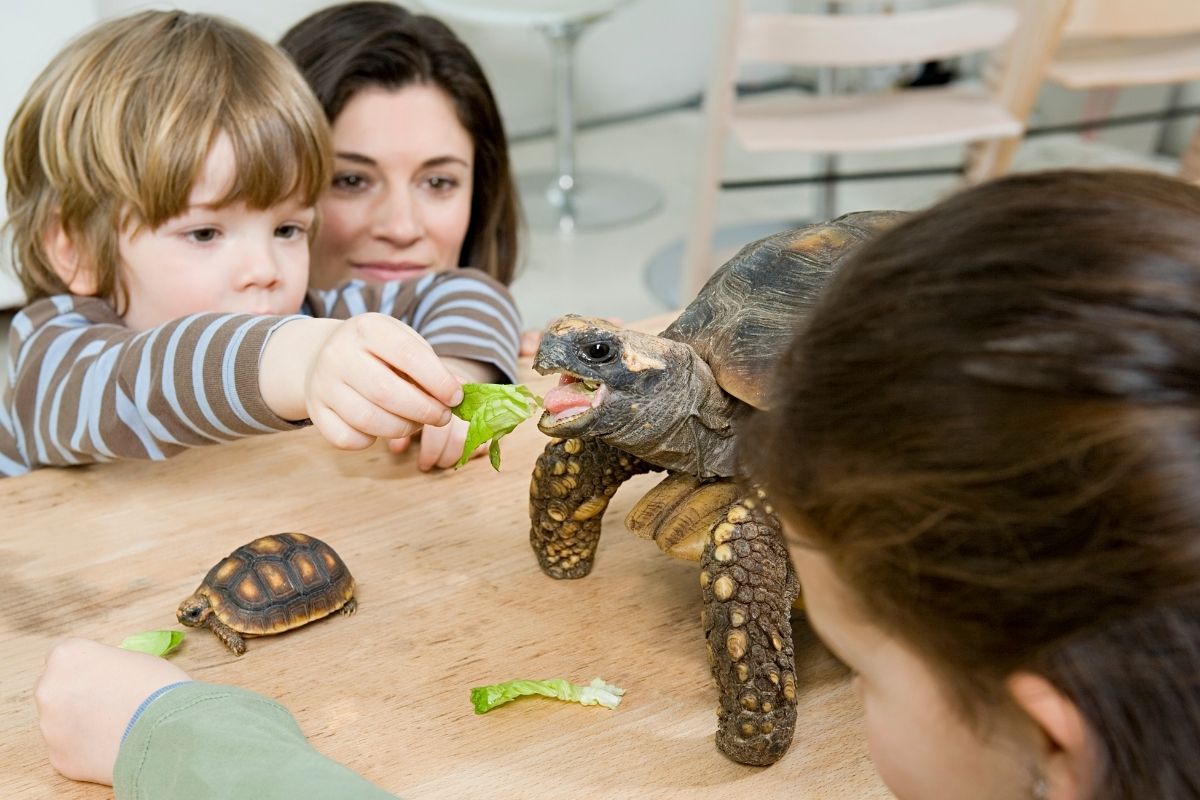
point(598, 352)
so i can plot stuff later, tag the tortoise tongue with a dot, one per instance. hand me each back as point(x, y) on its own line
point(567, 396)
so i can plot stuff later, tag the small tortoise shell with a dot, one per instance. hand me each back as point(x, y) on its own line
point(276, 583)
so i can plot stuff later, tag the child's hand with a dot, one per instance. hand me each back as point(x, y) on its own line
point(85, 698)
point(441, 447)
point(366, 377)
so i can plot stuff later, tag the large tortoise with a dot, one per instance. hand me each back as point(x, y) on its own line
point(630, 402)
point(273, 584)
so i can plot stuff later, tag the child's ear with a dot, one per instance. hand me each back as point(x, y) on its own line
point(69, 261)
point(1066, 757)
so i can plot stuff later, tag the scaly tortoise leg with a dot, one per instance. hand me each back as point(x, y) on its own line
point(228, 636)
point(572, 483)
point(749, 587)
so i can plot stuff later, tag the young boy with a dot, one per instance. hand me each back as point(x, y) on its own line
point(162, 177)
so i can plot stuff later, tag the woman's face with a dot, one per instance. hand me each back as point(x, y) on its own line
point(920, 744)
point(400, 201)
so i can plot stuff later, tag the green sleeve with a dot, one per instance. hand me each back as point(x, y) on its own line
point(202, 740)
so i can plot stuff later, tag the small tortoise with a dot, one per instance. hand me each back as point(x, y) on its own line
point(630, 402)
point(270, 585)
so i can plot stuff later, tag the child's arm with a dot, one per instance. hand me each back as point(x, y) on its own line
point(86, 388)
point(464, 314)
point(468, 318)
point(180, 744)
point(358, 379)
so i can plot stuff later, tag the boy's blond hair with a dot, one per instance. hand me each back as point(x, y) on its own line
point(117, 127)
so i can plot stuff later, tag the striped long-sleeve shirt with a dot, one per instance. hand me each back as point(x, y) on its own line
point(82, 387)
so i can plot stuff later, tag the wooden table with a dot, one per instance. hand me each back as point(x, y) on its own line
point(450, 597)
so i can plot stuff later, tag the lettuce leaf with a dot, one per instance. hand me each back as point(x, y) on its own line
point(485, 698)
point(492, 410)
point(156, 643)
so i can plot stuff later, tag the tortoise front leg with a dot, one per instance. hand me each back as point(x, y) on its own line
point(231, 638)
point(573, 481)
point(749, 587)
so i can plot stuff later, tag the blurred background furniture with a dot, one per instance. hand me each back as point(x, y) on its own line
point(1109, 44)
point(1019, 37)
point(566, 197)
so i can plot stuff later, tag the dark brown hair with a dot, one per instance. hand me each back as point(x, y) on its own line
point(343, 49)
point(991, 424)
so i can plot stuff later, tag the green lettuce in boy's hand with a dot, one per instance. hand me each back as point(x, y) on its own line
point(597, 693)
point(493, 410)
point(156, 643)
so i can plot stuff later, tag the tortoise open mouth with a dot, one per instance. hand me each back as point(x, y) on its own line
point(573, 400)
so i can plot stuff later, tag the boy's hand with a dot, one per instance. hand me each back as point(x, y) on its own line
point(366, 377)
point(441, 447)
point(85, 698)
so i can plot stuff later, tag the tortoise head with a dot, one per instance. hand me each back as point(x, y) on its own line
point(613, 380)
point(194, 611)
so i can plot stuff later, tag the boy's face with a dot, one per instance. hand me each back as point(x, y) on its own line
point(231, 259)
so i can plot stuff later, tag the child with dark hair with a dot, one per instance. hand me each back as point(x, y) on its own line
point(985, 448)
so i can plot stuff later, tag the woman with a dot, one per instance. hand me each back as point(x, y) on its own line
point(421, 179)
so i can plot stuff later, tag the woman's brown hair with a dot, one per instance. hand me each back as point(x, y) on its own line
point(343, 49)
point(991, 424)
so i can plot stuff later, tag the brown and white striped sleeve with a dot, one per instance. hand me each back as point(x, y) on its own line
point(462, 313)
point(83, 387)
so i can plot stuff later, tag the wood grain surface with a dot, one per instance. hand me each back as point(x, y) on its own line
point(450, 597)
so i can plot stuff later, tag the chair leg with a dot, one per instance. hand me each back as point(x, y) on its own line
point(989, 159)
point(698, 255)
point(1189, 165)
point(562, 40)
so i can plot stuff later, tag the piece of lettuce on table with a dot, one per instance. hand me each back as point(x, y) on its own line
point(596, 693)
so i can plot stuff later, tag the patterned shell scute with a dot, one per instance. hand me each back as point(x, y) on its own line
point(278, 582)
point(747, 313)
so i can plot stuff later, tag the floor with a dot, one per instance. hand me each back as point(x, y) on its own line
point(629, 272)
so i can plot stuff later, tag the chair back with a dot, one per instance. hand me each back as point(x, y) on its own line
point(866, 40)
point(1131, 19)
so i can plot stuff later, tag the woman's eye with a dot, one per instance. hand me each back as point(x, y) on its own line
point(349, 181)
point(289, 230)
point(440, 183)
point(203, 235)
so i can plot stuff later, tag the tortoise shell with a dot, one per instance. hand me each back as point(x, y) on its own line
point(743, 319)
point(276, 583)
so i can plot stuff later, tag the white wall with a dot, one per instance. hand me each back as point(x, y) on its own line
point(30, 34)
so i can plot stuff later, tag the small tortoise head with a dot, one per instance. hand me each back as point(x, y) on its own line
point(613, 380)
point(194, 611)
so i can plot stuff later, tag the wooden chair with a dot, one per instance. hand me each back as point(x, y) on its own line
point(1020, 35)
point(1108, 44)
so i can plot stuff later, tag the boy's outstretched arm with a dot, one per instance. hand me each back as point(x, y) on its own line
point(466, 316)
point(358, 379)
point(84, 387)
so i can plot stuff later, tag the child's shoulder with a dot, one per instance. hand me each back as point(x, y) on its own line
point(64, 309)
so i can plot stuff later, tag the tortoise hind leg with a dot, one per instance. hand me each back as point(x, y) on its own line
point(572, 483)
point(228, 636)
point(350, 607)
point(749, 587)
